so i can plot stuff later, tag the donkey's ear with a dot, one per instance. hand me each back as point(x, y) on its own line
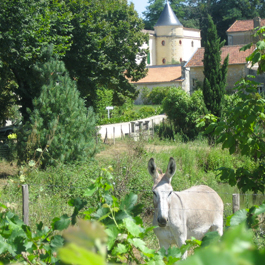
point(171, 168)
point(152, 168)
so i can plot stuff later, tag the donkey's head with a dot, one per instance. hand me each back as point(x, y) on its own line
point(162, 189)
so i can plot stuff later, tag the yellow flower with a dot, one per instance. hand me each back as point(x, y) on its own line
point(12, 136)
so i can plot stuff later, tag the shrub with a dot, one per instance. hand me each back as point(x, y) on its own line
point(104, 99)
point(147, 111)
point(183, 110)
point(145, 91)
point(157, 94)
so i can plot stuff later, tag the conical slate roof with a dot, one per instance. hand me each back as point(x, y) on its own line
point(168, 17)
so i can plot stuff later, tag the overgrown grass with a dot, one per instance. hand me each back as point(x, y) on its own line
point(196, 164)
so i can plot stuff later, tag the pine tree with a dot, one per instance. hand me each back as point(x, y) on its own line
point(60, 126)
point(214, 74)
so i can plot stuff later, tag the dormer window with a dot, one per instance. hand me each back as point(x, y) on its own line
point(163, 43)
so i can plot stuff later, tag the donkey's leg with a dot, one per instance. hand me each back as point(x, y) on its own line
point(164, 244)
point(218, 225)
point(164, 238)
point(180, 236)
point(181, 240)
point(218, 228)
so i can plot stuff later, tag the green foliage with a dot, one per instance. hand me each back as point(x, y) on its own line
point(196, 163)
point(183, 110)
point(203, 123)
point(7, 99)
point(103, 45)
point(126, 114)
point(144, 93)
point(214, 74)
point(26, 27)
point(165, 130)
point(193, 13)
point(235, 247)
point(104, 99)
point(242, 131)
point(251, 217)
point(110, 34)
point(157, 94)
point(258, 55)
point(124, 227)
point(86, 244)
point(229, 102)
point(19, 243)
point(60, 129)
point(147, 111)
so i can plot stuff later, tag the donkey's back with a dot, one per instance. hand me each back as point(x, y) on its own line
point(201, 210)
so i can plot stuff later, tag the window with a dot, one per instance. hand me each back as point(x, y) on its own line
point(163, 43)
point(180, 60)
point(192, 44)
point(193, 82)
point(180, 42)
point(164, 61)
point(230, 40)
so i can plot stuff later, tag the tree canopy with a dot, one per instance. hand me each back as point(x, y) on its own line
point(106, 40)
point(98, 41)
point(26, 27)
point(193, 13)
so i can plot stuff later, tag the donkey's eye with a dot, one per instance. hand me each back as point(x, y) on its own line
point(154, 193)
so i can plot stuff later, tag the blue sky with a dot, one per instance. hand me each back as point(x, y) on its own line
point(139, 5)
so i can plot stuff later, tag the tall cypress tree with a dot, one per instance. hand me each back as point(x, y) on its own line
point(60, 128)
point(214, 74)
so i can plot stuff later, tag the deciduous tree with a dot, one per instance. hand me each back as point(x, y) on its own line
point(26, 27)
point(98, 41)
point(242, 129)
point(106, 41)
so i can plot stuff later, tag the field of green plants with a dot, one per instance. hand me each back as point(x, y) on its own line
point(116, 178)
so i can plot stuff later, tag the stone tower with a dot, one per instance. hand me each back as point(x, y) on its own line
point(174, 43)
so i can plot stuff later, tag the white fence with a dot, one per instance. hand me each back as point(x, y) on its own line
point(118, 130)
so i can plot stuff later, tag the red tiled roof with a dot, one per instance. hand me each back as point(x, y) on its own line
point(244, 25)
point(235, 56)
point(161, 74)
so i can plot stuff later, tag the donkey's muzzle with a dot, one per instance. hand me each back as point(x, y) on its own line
point(162, 222)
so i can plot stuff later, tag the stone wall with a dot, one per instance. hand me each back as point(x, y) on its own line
point(234, 73)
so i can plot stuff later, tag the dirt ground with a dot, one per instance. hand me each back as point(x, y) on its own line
point(7, 170)
point(110, 150)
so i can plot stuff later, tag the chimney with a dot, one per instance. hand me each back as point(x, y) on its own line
point(256, 21)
